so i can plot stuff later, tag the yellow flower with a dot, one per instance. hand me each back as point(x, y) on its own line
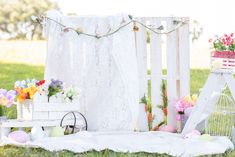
point(194, 97)
point(187, 98)
point(31, 85)
point(25, 90)
point(4, 101)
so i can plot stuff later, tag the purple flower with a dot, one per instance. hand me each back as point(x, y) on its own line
point(9, 95)
point(56, 83)
point(3, 92)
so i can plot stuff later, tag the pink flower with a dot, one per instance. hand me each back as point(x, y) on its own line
point(231, 35)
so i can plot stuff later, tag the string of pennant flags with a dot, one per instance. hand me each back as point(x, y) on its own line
point(79, 31)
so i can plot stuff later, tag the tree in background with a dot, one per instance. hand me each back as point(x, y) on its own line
point(15, 18)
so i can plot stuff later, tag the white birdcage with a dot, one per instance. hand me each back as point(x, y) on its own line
point(221, 120)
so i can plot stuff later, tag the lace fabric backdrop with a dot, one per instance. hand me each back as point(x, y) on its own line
point(104, 69)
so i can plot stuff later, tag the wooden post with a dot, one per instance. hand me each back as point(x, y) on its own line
point(156, 71)
point(184, 60)
point(172, 71)
point(141, 53)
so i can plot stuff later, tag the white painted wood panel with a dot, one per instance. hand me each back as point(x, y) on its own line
point(56, 107)
point(156, 71)
point(214, 83)
point(184, 60)
point(172, 71)
point(29, 123)
point(141, 52)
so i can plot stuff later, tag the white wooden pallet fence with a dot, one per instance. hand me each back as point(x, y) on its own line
point(178, 63)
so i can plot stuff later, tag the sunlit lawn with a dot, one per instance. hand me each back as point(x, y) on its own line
point(11, 72)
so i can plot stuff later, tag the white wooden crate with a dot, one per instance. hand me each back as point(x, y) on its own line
point(40, 109)
point(52, 110)
point(225, 62)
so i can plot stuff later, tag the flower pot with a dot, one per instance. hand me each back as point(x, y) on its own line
point(223, 60)
point(223, 54)
point(24, 109)
point(181, 120)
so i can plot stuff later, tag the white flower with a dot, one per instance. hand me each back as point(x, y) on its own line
point(34, 18)
point(17, 84)
point(71, 93)
point(23, 82)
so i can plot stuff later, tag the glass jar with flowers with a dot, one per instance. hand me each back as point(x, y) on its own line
point(25, 91)
point(6, 101)
point(183, 108)
point(223, 54)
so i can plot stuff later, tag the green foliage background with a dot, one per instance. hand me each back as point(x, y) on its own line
point(15, 18)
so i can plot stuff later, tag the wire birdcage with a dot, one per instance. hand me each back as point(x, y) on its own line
point(221, 120)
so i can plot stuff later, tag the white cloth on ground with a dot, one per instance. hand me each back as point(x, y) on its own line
point(151, 142)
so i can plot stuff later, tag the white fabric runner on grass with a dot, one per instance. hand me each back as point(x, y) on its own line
point(151, 142)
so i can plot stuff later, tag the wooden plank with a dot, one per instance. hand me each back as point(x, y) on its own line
point(56, 115)
point(231, 83)
point(30, 123)
point(214, 83)
point(56, 107)
point(39, 115)
point(156, 72)
point(184, 60)
point(172, 71)
point(141, 52)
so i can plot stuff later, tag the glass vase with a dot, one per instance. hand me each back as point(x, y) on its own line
point(3, 110)
point(24, 109)
point(181, 120)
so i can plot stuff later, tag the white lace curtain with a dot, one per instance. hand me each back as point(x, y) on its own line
point(104, 69)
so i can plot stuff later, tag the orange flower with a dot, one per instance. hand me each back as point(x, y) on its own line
point(165, 111)
point(150, 117)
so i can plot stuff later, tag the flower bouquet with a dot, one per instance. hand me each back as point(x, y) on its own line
point(26, 89)
point(183, 108)
point(71, 94)
point(223, 54)
point(54, 99)
point(6, 101)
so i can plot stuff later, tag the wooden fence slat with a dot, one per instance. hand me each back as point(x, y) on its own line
point(156, 72)
point(184, 60)
point(172, 71)
point(141, 52)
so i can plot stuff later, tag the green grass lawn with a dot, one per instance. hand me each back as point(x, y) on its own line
point(9, 73)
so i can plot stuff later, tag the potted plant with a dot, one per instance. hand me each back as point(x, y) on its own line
point(181, 106)
point(223, 54)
